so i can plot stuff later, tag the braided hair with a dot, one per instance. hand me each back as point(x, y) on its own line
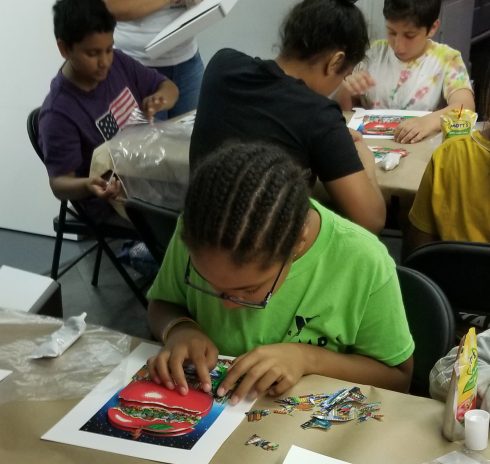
point(314, 27)
point(250, 199)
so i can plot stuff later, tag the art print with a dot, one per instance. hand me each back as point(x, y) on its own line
point(143, 419)
point(380, 123)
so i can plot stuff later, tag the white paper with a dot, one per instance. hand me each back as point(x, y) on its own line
point(188, 24)
point(297, 455)
point(222, 421)
point(4, 373)
point(356, 121)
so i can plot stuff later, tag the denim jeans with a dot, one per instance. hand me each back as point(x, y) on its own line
point(187, 76)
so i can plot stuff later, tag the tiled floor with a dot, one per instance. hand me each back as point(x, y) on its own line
point(111, 304)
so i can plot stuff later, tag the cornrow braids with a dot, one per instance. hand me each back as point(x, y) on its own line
point(250, 199)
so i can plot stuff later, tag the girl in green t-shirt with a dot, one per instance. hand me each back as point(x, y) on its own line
point(258, 271)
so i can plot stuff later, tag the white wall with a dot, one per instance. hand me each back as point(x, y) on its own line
point(252, 27)
point(30, 59)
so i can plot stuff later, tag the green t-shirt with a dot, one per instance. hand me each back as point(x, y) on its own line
point(342, 294)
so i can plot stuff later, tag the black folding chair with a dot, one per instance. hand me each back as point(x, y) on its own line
point(462, 270)
point(431, 323)
point(73, 220)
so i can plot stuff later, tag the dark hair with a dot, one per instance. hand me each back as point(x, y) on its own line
point(250, 199)
point(317, 26)
point(422, 13)
point(76, 19)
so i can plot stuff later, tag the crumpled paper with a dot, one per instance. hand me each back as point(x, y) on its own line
point(59, 341)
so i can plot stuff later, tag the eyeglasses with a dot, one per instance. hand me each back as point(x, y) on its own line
point(235, 299)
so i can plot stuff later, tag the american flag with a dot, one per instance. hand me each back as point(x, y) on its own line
point(119, 111)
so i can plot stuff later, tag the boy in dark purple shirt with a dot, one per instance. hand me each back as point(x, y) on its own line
point(91, 98)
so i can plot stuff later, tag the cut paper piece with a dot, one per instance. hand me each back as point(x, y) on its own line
point(136, 417)
point(380, 153)
point(297, 455)
point(380, 124)
point(4, 373)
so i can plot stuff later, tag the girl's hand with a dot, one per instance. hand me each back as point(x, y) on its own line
point(186, 343)
point(270, 369)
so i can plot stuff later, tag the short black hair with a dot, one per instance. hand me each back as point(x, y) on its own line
point(317, 26)
point(422, 13)
point(247, 198)
point(76, 19)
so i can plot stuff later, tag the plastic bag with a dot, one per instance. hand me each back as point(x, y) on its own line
point(70, 376)
point(150, 159)
point(463, 387)
point(440, 375)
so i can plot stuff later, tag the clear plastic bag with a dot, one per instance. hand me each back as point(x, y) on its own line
point(152, 160)
point(71, 375)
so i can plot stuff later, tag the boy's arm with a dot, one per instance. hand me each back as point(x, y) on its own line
point(70, 187)
point(416, 129)
point(352, 88)
point(358, 195)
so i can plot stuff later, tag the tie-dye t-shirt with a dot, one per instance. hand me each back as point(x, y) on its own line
point(425, 83)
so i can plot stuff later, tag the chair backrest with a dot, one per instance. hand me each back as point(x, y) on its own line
point(431, 323)
point(155, 225)
point(33, 131)
point(461, 269)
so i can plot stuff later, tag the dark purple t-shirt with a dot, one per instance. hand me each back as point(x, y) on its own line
point(73, 122)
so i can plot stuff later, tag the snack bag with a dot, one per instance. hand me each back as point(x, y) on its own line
point(457, 122)
point(462, 390)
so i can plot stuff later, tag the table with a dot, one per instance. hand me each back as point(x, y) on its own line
point(409, 433)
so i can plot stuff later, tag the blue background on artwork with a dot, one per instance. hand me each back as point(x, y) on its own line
point(100, 424)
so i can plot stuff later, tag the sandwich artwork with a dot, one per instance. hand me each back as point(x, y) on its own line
point(151, 413)
point(380, 123)
point(128, 414)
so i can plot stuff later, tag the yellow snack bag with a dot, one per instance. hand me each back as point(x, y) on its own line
point(457, 122)
point(463, 388)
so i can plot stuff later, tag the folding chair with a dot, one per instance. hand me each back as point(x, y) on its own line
point(462, 270)
point(431, 321)
point(72, 220)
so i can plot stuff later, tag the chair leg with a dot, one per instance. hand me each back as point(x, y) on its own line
point(98, 258)
point(124, 274)
point(59, 241)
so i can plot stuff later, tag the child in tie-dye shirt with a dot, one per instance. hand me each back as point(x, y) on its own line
point(409, 71)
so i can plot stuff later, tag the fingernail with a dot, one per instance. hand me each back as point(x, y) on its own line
point(157, 381)
point(170, 385)
point(206, 387)
point(183, 391)
point(234, 400)
point(221, 391)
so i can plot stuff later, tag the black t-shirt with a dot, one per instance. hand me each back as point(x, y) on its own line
point(249, 99)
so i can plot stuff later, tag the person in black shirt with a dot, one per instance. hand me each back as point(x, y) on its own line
point(285, 101)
